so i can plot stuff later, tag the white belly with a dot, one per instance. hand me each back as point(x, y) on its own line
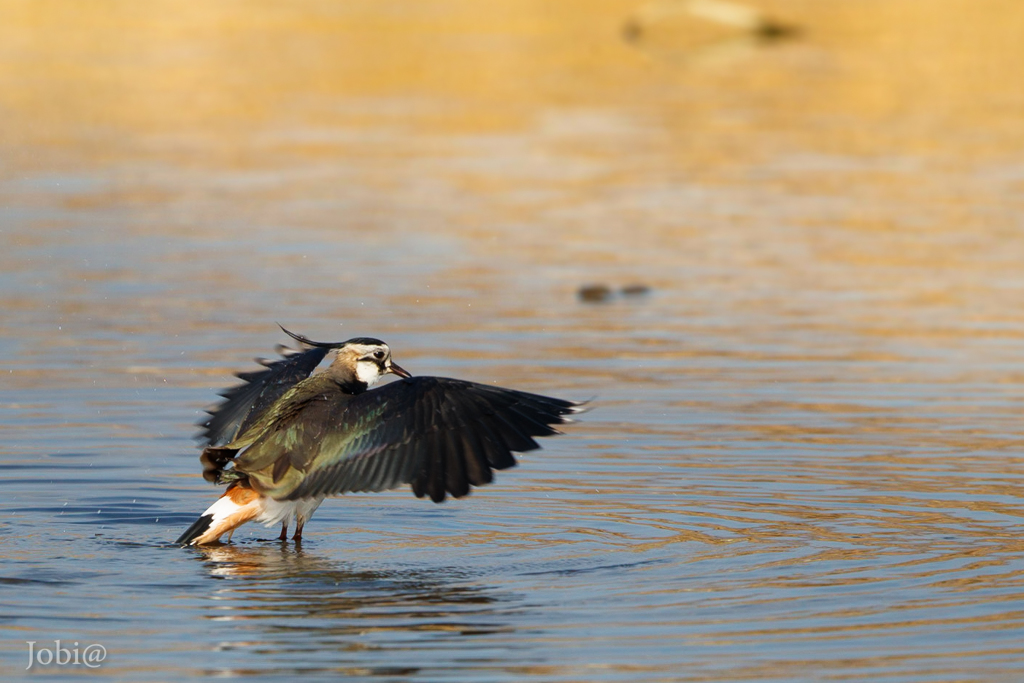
point(286, 511)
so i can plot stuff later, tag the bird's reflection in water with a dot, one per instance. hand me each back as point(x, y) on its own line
point(294, 612)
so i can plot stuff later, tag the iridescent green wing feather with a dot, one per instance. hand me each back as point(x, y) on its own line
point(441, 435)
point(245, 403)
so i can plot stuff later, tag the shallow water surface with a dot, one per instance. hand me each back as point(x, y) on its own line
point(804, 458)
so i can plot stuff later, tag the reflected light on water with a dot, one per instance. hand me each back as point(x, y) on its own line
point(298, 606)
point(804, 458)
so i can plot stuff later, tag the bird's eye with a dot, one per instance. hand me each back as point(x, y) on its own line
point(379, 355)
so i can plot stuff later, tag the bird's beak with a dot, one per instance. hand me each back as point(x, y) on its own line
point(396, 369)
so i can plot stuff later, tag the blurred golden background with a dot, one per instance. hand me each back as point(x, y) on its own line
point(112, 78)
point(884, 133)
point(805, 454)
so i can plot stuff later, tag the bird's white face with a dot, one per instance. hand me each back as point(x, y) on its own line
point(365, 360)
point(372, 362)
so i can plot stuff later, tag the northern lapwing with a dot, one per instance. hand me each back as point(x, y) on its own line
point(286, 438)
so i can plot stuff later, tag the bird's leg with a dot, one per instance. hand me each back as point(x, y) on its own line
point(284, 532)
point(298, 531)
point(230, 534)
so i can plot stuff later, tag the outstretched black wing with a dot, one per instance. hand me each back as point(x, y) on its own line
point(441, 435)
point(243, 404)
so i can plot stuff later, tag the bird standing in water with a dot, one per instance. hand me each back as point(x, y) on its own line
point(285, 440)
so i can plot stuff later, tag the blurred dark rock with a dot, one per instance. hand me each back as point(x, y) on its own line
point(632, 31)
point(770, 30)
point(635, 289)
point(692, 26)
point(595, 293)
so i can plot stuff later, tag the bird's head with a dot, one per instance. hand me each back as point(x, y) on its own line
point(368, 359)
point(362, 359)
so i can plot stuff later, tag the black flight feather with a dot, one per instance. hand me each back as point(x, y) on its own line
point(440, 435)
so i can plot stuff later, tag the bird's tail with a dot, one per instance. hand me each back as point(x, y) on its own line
point(198, 528)
point(238, 505)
